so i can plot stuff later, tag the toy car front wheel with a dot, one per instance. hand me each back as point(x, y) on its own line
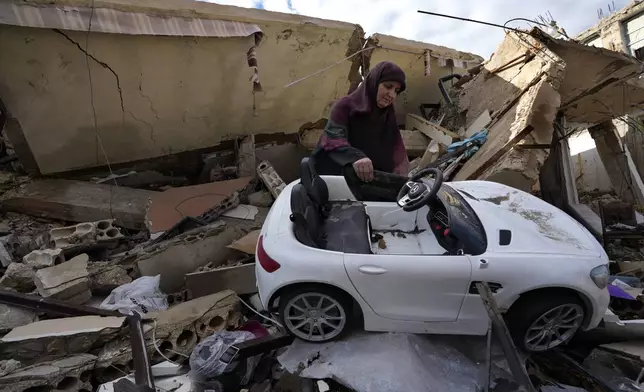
point(545, 323)
point(315, 314)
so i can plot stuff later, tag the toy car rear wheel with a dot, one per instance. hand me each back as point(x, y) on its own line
point(315, 313)
point(540, 324)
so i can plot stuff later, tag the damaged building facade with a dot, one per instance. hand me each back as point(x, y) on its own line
point(144, 143)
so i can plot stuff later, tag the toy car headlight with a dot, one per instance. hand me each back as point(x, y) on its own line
point(600, 276)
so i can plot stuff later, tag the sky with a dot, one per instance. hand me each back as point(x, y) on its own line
point(400, 17)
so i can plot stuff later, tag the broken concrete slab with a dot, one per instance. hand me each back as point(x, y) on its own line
point(145, 179)
point(240, 279)
point(15, 316)
point(169, 207)
point(106, 276)
point(478, 125)
point(181, 326)
point(44, 258)
point(79, 201)
point(431, 130)
point(534, 113)
point(68, 281)
point(247, 243)
point(54, 338)
point(260, 199)
point(174, 258)
point(18, 277)
point(71, 374)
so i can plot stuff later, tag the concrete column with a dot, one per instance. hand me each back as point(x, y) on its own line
point(617, 160)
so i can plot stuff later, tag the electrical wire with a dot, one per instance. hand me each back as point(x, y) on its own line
point(156, 347)
point(261, 315)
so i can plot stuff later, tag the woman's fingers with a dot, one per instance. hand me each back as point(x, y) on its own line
point(364, 169)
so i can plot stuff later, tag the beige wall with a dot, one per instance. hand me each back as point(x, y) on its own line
point(178, 93)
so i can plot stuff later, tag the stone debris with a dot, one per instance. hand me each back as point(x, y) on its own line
point(68, 281)
point(105, 276)
point(8, 366)
point(18, 277)
point(260, 199)
point(14, 316)
point(44, 258)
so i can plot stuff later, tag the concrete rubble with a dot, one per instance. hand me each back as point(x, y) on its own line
point(174, 190)
point(68, 281)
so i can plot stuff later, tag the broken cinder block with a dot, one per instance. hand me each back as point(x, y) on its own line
point(69, 374)
point(44, 258)
point(260, 199)
point(18, 277)
point(182, 326)
point(68, 281)
point(106, 231)
point(70, 236)
point(270, 178)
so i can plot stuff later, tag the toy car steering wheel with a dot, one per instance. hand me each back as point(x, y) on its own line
point(417, 192)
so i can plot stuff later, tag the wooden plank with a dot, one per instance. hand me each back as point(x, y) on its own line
point(240, 279)
point(431, 130)
point(80, 201)
point(536, 108)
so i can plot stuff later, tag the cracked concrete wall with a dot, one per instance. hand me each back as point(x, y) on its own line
point(157, 95)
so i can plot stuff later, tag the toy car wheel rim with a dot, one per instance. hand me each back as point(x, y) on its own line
point(314, 317)
point(556, 326)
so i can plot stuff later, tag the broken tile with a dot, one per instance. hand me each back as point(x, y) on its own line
point(70, 236)
point(68, 374)
point(270, 178)
point(50, 339)
point(260, 199)
point(105, 276)
point(44, 258)
point(68, 281)
point(18, 277)
point(15, 316)
point(242, 211)
point(169, 207)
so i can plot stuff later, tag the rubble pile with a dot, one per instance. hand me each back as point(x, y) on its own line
point(136, 243)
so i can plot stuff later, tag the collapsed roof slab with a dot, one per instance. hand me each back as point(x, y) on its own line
point(598, 82)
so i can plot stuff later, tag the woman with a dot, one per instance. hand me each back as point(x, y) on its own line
point(362, 129)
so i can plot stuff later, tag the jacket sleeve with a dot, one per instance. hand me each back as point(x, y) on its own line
point(334, 141)
point(401, 160)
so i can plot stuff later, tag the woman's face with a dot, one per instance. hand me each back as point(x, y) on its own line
point(387, 92)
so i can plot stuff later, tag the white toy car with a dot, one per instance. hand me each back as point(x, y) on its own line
point(412, 265)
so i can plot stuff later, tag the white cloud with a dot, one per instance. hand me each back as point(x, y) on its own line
point(400, 17)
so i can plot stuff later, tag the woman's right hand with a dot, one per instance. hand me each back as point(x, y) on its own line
point(364, 169)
